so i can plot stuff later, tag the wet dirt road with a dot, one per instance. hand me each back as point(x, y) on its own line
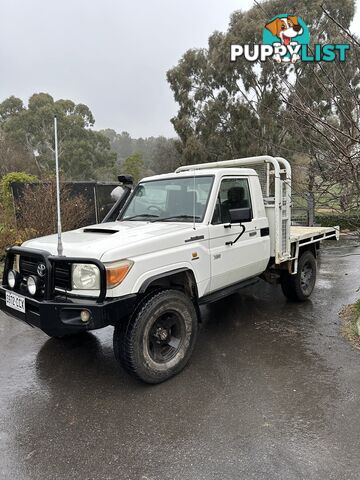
point(272, 392)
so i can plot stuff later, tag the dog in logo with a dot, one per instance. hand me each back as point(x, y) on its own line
point(286, 29)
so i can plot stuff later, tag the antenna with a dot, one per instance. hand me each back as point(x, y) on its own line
point(59, 246)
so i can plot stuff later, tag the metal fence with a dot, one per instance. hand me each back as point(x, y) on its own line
point(303, 209)
point(96, 194)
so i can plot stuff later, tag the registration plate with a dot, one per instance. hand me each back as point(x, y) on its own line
point(16, 302)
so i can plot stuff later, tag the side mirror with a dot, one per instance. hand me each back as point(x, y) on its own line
point(117, 193)
point(119, 203)
point(239, 215)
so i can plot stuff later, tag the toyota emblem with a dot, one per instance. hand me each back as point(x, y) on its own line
point(41, 270)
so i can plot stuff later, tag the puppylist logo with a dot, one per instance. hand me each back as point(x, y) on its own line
point(286, 38)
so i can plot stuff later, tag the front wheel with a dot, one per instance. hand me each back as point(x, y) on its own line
point(159, 338)
point(299, 287)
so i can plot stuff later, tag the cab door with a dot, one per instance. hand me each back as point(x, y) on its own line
point(244, 259)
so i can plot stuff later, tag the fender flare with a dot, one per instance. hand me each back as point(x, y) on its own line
point(169, 273)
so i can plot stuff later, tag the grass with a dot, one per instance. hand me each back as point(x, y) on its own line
point(351, 317)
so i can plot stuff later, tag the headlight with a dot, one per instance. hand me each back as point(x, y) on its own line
point(85, 277)
point(115, 274)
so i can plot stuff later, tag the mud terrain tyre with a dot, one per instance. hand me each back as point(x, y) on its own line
point(157, 341)
point(299, 287)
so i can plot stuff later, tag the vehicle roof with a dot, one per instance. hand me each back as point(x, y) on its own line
point(219, 172)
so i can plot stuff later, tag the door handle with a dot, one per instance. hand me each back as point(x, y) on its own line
point(252, 234)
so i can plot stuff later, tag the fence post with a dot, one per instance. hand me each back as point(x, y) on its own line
point(96, 204)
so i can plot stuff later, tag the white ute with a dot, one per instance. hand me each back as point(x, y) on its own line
point(181, 240)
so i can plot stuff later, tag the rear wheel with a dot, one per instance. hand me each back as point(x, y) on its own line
point(299, 287)
point(159, 338)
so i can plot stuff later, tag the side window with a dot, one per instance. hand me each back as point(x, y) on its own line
point(233, 193)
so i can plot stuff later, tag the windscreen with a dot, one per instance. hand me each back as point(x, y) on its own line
point(172, 199)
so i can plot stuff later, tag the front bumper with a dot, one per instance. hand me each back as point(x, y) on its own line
point(60, 316)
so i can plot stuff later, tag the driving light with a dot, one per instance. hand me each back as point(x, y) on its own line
point(32, 285)
point(116, 274)
point(13, 279)
point(85, 277)
point(85, 316)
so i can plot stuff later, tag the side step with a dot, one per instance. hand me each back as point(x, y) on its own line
point(225, 292)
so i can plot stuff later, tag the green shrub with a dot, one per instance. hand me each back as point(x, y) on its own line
point(10, 236)
point(357, 306)
point(5, 184)
point(346, 222)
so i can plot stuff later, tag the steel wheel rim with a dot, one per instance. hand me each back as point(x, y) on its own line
point(307, 278)
point(166, 337)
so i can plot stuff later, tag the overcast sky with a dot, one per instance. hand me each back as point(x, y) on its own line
point(110, 54)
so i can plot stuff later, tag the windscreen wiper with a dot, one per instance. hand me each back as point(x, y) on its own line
point(174, 217)
point(142, 215)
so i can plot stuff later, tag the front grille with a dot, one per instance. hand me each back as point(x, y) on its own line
point(62, 275)
point(28, 266)
point(62, 271)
